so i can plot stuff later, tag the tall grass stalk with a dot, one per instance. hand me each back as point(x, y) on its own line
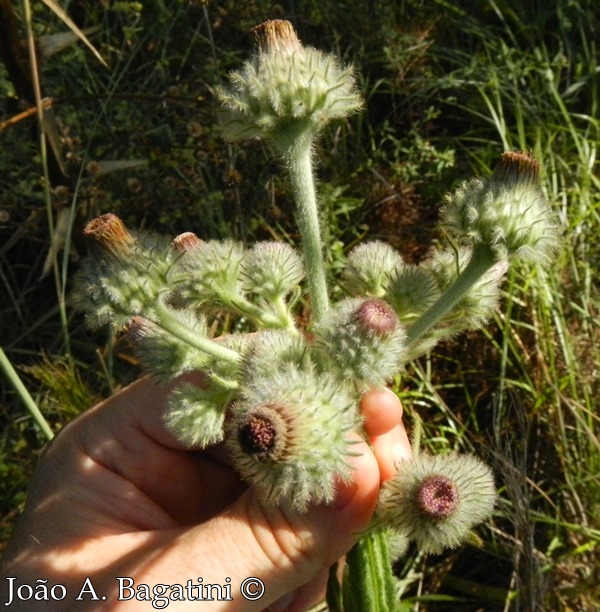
point(24, 395)
point(35, 78)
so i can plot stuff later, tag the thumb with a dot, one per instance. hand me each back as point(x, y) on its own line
point(285, 551)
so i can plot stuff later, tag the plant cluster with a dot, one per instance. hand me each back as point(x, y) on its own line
point(284, 398)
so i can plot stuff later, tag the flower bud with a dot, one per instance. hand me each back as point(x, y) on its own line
point(275, 350)
point(288, 435)
point(437, 500)
point(276, 36)
point(209, 272)
point(195, 415)
point(286, 89)
point(271, 270)
point(361, 340)
point(368, 269)
point(507, 213)
point(411, 291)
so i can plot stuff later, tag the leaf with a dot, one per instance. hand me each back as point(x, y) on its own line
point(60, 13)
point(369, 584)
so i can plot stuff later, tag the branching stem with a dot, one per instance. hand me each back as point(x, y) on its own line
point(170, 324)
point(482, 259)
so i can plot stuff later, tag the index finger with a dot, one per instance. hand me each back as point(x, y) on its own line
point(382, 412)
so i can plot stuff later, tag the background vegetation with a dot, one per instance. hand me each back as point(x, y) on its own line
point(448, 87)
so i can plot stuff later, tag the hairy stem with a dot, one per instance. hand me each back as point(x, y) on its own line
point(170, 324)
point(299, 161)
point(481, 261)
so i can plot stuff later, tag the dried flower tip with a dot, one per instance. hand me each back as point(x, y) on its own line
point(516, 167)
point(437, 497)
point(186, 242)
point(262, 433)
point(110, 233)
point(276, 36)
point(377, 316)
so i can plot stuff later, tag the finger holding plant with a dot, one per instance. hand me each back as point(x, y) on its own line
point(283, 399)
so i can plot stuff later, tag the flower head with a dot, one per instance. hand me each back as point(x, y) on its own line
point(369, 266)
point(362, 340)
point(128, 276)
point(286, 89)
point(271, 270)
point(262, 432)
point(437, 497)
point(508, 212)
point(376, 317)
point(437, 500)
point(288, 435)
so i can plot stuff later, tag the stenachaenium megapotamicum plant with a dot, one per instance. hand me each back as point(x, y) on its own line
point(284, 400)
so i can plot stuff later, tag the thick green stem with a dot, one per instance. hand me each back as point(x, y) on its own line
point(369, 584)
point(481, 261)
point(299, 160)
point(169, 323)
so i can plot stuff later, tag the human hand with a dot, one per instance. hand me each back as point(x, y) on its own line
point(117, 500)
